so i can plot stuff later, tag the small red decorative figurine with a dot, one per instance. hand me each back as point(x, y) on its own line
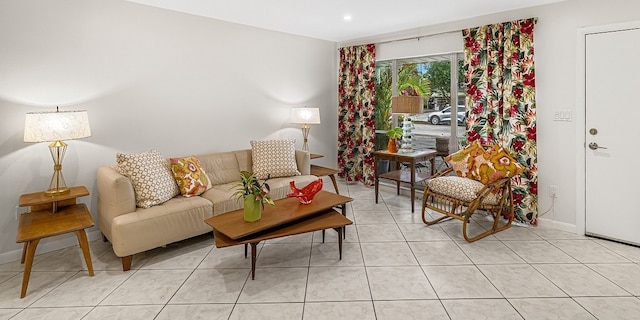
point(306, 194)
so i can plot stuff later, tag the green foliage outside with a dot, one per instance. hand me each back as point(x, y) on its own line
point(439, 75)
point(408, 77)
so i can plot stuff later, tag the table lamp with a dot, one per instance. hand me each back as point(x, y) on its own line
point(305, 116)
point(406, 105)
point(55, 126)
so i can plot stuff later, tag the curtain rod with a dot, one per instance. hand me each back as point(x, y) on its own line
point(418, 37)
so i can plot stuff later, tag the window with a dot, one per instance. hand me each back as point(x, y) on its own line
point(430, 77)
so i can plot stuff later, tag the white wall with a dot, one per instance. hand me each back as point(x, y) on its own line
point(149, 78)
point(556, 85)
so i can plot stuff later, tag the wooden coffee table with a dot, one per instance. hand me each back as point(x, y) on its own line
point(288, 217)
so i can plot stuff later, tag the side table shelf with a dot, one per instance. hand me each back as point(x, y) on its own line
point(52, 216)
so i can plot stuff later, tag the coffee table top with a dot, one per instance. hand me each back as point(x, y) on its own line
point(286, 210)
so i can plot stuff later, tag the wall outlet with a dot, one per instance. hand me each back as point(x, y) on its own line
point(553, 191)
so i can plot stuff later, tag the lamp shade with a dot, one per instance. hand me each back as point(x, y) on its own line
point(56, 126)
point(407, 104)
point(305, 115)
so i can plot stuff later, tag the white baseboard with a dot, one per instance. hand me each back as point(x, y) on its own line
point(546, 223)
point(50, 244)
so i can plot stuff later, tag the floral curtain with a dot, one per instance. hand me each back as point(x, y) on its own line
point(501, 100)
point(356, 101)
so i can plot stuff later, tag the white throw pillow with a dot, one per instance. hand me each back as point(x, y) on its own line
point(150, 175)
point(274, 158)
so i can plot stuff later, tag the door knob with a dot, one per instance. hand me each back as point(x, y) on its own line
point(595, 146)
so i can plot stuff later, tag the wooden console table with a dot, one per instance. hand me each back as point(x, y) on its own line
point(398, 175)
point(51, 216)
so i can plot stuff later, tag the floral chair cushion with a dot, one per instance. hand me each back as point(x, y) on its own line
point(462, 160)
point(460, 188)
point(190, 176)
point(494, 164)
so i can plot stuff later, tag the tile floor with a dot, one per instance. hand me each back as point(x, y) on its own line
point(393, 267)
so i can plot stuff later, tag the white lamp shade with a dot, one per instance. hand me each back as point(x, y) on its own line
point(56, 126)
point(305, 115)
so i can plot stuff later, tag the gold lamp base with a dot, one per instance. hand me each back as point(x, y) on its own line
point(57, 186)
point(57, 192)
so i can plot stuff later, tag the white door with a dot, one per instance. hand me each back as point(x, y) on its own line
point(612, 208)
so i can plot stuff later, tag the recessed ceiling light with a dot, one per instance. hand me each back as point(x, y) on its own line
point(347, 17)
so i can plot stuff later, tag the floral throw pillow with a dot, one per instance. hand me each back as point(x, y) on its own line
point(274, 158)
point(462, 160)
point(190, 176)
point(150, 175)
point(494, 164)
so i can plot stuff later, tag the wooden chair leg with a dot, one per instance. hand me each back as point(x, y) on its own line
point(126, 263)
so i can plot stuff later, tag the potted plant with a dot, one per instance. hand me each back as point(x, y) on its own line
point(254, 194)
point(394, 134)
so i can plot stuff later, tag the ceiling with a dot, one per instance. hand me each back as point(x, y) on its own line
point(324, 19)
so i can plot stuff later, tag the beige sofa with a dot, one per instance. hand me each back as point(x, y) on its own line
point(133, 230)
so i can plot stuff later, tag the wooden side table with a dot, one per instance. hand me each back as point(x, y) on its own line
point(398, 175)
point(324, 171)
point(51, 216)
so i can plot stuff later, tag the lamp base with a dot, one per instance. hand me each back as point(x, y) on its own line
point(57, 192)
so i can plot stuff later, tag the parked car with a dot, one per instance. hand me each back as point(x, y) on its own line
point(444, 116)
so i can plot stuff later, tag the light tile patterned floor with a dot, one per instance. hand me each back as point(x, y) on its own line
point(394, 267)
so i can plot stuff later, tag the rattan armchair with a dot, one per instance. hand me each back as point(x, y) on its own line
point(460, 197)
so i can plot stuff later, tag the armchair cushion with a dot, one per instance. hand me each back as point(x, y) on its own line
point(462, 160)
point(494, 164)
point(460, 188)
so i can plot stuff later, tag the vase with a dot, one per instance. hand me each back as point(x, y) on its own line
point(392, 146)
point(252, 209)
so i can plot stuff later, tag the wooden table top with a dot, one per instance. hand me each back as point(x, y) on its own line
point(286, 210)
point(41, 224)
point(37, 198)
point(329, 219)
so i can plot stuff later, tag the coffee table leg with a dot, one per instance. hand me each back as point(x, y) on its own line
point(253, 260)
point(245, 250)
point(31, 251)
point(344, 213)
point(340, 240)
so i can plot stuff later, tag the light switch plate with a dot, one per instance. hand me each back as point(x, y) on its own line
point(562, 115)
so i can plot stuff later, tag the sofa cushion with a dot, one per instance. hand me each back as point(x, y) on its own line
point(150, 175)
point(177, 219)
point(221, 167)
point(274, 158)
point(190, 176)
point(223, 200)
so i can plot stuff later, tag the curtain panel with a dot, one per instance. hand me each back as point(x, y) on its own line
point(356, 103)
point(500, 100)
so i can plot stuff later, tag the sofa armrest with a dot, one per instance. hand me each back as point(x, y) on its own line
point(115, 197)
point(303, 159)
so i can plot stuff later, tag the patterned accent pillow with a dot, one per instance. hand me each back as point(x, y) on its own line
point(494, 164)
point(150, 175)
point(274, 158)
point(460, 188)
point(190, 176)
point(462, 160)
